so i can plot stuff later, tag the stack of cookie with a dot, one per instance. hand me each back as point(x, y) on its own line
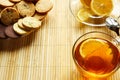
point(21, 17)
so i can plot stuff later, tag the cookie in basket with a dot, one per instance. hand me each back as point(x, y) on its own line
point(25, 8)
point(40, 16)
point(20, 24)
point(22, 17)
point(9, 15)
point(31, 0)
point(43, 6)
point(31, 23)
point(14, 1)
point(22, 31)
point(19, 30)
point(6, 3)
point(2, 31)
point(10, 32)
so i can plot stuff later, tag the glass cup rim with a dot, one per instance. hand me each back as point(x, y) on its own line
point(98, 75)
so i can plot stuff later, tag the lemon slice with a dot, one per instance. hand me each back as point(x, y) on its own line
point(109, 55)
point(102, 7)
point(86, 3)
point(89, 46)
point(84, 14)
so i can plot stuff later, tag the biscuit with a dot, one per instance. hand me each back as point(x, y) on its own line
point(25, 8)
point(2, 31)
point(9, 15)
point(6, 3)
point(31, 22)
point(31, 0)
point(43, 6)
point(15, 1)
point(10, 32)
point(20, 24)
point(40, 16)
point(18, 30)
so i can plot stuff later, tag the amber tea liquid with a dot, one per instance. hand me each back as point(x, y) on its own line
point(101, 60)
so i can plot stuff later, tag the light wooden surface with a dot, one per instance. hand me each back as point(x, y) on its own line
point(47, 53)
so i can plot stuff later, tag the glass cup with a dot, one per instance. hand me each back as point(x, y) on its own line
point(88, 17)
point(96, 55)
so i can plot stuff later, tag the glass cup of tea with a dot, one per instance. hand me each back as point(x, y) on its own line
point(96, 55)
point(94, 12)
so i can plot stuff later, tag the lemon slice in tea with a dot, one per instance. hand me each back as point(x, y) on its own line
point(83, 14)
point(89, 46)
point(86, 3)
point(102, 7)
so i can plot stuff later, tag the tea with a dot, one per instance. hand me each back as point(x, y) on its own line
point(94, 11)
point(97, 55)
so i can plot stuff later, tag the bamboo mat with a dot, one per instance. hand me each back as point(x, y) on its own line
point(47, 53)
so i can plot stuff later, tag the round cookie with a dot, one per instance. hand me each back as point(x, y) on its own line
point(15, 1)
point(25, 8)
point(2, 31)
point(40, 16)
point(18, 30)
point(20, 24)
point(9, 15)
point(31, 0)
point(31, 23)
point(6, 3)
point(10, 32)
point(43, 6)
